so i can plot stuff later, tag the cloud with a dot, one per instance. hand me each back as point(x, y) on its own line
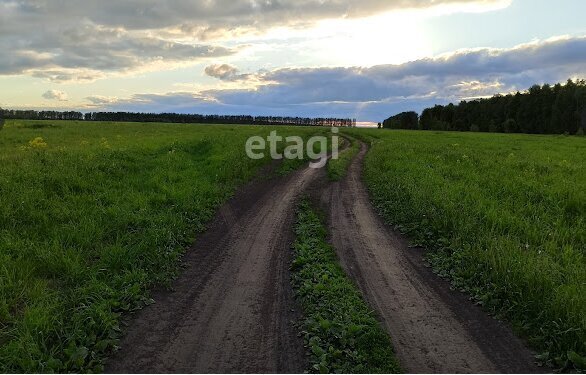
point(462, 74)
point(66, 40)
point(67, 75)
point(55, 95)
point(375, 93)
point(85, 51)
point(217, 14)
point(172, 102)
point(99, 100)
point(225, 72)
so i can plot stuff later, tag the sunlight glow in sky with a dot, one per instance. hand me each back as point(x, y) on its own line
point(369, 58)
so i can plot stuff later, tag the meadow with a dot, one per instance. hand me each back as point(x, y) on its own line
point(93, 215)
point(504, 218)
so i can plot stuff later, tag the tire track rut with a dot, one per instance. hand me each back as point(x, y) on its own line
point(433, 329)
point(232, 307)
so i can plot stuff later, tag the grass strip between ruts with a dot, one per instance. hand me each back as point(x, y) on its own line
point(339, 329)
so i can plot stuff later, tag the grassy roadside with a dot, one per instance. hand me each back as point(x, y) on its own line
point(337, 168)
point(92, 215)
point(289, 165)
point(340, 330)
point(505, 216)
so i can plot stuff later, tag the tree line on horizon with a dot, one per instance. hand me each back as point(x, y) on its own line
point(176, 118)
point(558, 109)
point(18, 114)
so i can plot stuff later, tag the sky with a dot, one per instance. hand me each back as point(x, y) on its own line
point(363, 59)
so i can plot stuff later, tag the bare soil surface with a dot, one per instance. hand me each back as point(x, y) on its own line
point(232, 309)
point(433, 328)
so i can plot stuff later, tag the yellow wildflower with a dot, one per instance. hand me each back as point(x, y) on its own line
point(38, 143)
point(105, 143)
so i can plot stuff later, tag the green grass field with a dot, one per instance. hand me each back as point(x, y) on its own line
point(506, 218)
point(94, 214)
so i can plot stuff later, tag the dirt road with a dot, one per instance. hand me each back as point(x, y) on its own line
point(433, 329)
point(232, 308)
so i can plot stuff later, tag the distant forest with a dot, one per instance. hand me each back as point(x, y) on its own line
point(175, 118)
point(540, 110)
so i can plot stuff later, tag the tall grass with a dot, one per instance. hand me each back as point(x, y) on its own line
point(506, 218)
point(94, 214)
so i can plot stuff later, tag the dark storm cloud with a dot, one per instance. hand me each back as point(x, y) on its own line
point(377, 92)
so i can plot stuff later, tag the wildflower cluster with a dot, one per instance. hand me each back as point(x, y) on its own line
point(38, 143)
